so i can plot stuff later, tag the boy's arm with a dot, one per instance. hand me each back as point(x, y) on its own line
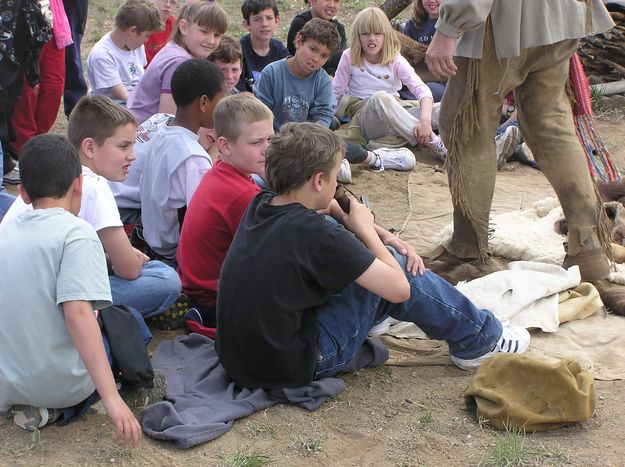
point(126, 261)
point(263, 88)
point(385, 276)
point(85, 333)
point(119, 92)
point(323, 105)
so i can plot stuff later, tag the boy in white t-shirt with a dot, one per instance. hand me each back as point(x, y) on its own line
point(116, 62)
point(52, 356)
point(104, 134)
point(174, 162)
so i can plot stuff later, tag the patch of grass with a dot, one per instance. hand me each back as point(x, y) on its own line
point(511, 450)
point(245, 457)
point(426, 419)
point(596, 95)
point(255, 428)
point(308, 444)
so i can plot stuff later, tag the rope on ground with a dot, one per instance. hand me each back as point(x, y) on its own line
point(409, 215)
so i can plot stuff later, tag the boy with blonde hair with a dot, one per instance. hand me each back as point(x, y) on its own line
point(243, 128)
point(116, 63)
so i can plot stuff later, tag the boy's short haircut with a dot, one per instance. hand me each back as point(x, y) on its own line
point(298, 152)
point(206, 15)
point(195, 78)
point(234, 111)
point(253, 7)
point(229, 51)
point(322, 31)
point(140, 13)
point(96, 117)
point(49, 164)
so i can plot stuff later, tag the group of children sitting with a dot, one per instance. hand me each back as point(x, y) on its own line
point(292, 282)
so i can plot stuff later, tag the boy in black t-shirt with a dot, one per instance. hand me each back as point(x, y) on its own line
point(299, 293)
point(259, 47)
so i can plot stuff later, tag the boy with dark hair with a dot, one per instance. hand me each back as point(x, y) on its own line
point(260, 48)
point(325, 10)
point(104, 133)
point(243, 128)
point(298, 294)
point(116, 62)
point(296, 89)
point(174, 162)
point(229, 58)
point(51, 363)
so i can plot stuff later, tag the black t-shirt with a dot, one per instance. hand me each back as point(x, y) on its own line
point(298, 23)
point(253, 63)
point(284, 262)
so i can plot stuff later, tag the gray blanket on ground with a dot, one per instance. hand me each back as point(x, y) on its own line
point(203, 402)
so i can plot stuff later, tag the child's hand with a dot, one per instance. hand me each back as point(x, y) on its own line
point(422, 132)
point(142, 257)
point(127, 428)
point(414, 263)
point(360, 217)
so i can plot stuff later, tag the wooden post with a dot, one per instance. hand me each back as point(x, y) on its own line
point(394, 7)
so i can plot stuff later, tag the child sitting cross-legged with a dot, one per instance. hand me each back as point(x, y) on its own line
point(298, 293)
point(243, 128)
point(174, 162)
point(297, 89)
point(104, 134)
point(370, 74)
point(52, 357)
point(116, 62)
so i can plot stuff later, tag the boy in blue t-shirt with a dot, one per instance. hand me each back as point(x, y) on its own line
point(259, 47)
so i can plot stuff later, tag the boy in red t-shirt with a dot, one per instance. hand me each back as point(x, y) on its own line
point(243, 128)
point(157, 40)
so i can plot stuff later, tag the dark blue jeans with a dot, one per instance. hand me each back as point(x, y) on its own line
point(71, 414)
point(75, 84)
point(437, 307)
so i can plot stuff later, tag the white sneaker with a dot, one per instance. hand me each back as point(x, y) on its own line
point(438, 148)
point(395, 159)
point(345, 174)
point(505, 145)
point(514, 339)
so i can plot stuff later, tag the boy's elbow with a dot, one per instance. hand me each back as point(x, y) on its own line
point(401, 292)
point(129, 273)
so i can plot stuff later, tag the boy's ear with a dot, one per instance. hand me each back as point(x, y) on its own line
point(298, 40)
point(317, 180)
point(246, 25)
point(224, 146)
point(87, 147)
point(23, 194)
point(134, 30)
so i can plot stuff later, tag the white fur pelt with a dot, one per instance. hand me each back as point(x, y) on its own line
point(529, 235)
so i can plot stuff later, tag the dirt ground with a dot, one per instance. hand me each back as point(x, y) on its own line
point(387, 415)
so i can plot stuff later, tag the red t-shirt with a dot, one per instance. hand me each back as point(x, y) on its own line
point(157, 40)
point(210, 223)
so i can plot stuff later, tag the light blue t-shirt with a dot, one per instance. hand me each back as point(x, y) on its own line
point(49, 257)
point(293, 99)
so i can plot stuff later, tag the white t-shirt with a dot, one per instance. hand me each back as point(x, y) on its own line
point(97, 206)
point(127, 192)
point(108, 66)
point(173, 166)
point(49, 257)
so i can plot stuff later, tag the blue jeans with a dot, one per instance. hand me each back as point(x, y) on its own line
point(152, 293)
point(440, 310)
point(75, 84)
point(71, 414)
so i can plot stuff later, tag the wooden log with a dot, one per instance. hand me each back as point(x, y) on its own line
point(607, 89)
point(394, 7)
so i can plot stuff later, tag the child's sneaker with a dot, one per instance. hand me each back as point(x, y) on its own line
point(174, 317)
point(438, 148)
point(514, 339)
point(345, 174)
point(505, 145)
point(32, 418)
point(13, 177)
point(395, 159)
